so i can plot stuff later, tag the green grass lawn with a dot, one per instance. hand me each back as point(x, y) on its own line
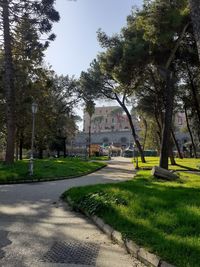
point(182, 164)
point(99, 158)
point(162, 216)
point(47, 168)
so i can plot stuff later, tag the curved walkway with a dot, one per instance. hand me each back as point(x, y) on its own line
point(37, 230)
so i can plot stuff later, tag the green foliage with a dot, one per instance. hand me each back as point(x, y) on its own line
point(90, 107)
point(161, 19)
point(96, 202)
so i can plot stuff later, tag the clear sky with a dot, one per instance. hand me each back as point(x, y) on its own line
point(76, 44)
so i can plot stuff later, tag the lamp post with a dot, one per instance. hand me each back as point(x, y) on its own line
point(34, 111)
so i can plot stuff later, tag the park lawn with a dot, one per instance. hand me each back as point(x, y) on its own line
point(182, 164)
point(47, 169)
point(100, 158)
point(163, 217)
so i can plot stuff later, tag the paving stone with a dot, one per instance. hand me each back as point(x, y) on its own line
point(108, 230)
point(99, 222)
point(165, 264)
point(148, 258)
point(117, 236)
point(132, 248)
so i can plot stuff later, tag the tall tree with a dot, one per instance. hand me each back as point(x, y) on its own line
point(195, 16)
point(41, 14)
point(9, 83)
point(101, 84)
point(90, 109)
point(169, 23)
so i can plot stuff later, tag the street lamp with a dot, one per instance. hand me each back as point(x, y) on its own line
point(34, 111)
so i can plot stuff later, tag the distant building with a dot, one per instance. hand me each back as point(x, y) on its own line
point(106, 119)
point(109, 125)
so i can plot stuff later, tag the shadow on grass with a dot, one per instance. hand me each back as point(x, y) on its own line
point(187, 168)
point(163, 217)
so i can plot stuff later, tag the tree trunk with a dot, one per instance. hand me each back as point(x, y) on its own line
point(89, 138)
point(16, 151)
point(159, 126)
point(190, 133)
point(194, 92)
point(64, 147)
point(137, 142)
point(171, 154)
point(176, 144)
point(195, 16)
point(40, 153)
point(9, 86)
point(145, 132)
point(169, 96)
point(21, 147)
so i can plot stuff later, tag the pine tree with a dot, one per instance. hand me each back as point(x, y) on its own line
point(195, 16)
point(41, 14)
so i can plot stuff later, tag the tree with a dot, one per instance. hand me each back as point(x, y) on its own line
point(41, 14)
point(90, 109)
point(169, 23)
point(28, 53)
point(9, 84)
point(195, 16)
point(100, 84)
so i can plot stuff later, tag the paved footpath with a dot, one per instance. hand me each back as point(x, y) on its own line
point(36, 229)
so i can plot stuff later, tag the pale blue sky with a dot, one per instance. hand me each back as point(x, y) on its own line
point(76, 44)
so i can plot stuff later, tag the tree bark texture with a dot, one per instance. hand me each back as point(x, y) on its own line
point(166, 134)
point(21, 147)
point(145, 132)
point(195, 16)
point(9, 86)
point(89, 138)
point(194, 92)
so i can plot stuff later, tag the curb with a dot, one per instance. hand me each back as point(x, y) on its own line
point(38, 180)
point(131, 247)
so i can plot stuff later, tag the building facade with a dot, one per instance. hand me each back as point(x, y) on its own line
point(106, 119)
point(109, 125)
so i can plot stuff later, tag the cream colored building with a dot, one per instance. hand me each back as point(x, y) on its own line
point(106, 119)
